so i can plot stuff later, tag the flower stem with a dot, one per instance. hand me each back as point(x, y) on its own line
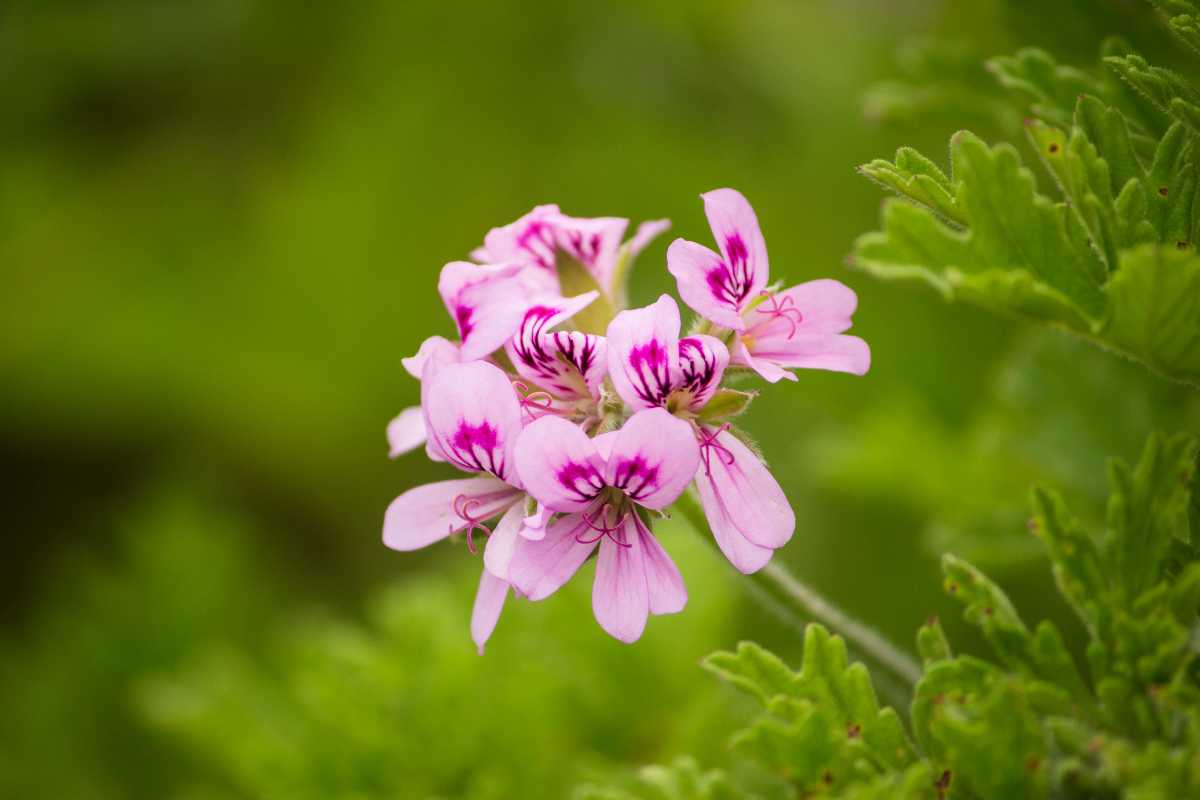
point(778, 587)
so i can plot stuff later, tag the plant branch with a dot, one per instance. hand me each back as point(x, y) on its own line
point(782, 587)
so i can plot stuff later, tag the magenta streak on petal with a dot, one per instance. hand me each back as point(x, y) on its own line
point(699, 370)
point(538, 241)
point(651, 376)
point(635, 477)
point(530, 346)
point(462, 316)
point(581, 479)
point(586, 251)
point(469, 441)
point(730, 283)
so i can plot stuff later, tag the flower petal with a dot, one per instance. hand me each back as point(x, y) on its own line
point(489, 602)
point(743, 502)
point(594, 243)
point(825, 305)
point(654, 457)
point(620, 599)
point(485, 302)
point(406, 432)
point(539, 568)
point(427, 514)
point(559, 465)
point(664, 584)
point(702, 362)
point(530, 240)
point(768, 370)
point(643, 353)
point(569, 364)
point(435, 350)
point(692, 264)
point(839, 353)
point(503, 542)
point(735, 227)
point(473, 416)
point(646, 233)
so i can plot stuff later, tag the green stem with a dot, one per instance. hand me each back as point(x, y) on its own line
point(782, 587)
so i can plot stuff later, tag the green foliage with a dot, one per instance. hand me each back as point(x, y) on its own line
point(1114, 260)
point(1183, 18)
point(682, 780)
point(1028, 722)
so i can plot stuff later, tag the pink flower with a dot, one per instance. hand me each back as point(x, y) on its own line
point(485, 302)
point(473, 419)
point(776, 331)
point(651, 366)
point(407, 431)
point(599, 486)
point(537, 238)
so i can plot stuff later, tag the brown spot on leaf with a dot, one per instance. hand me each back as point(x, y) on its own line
point(853, 730)
point(1182, 245)
point(1053, 148)
point(1162, 191)
point(942, 785)
point(1033, 762)
point(827, 778)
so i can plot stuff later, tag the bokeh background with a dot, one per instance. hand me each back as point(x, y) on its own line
point(220, 229)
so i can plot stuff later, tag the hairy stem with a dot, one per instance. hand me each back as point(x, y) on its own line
point(776, 587)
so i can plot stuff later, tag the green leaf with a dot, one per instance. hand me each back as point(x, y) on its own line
point(914, 176)
point(1166, 90)
point(1183, 18)
point(682, 780)
point(1051, 86)
point(1155, 310)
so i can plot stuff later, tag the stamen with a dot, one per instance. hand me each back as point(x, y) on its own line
point(708, 443)
point(464, 507)
point(603, 529)
point(783, 309)
point(535, 399)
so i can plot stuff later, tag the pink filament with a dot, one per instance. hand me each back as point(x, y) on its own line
point(538, 399)
point(465, 507)
point(783, 309)
point(708, 443)
point(603, 529)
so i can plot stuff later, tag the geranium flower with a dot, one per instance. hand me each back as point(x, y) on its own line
point(600, 486)
point(651, 366)
point(537, 238)
point(473, 418)
point(776, 331)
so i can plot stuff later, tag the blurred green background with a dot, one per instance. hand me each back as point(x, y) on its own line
point(220, 229)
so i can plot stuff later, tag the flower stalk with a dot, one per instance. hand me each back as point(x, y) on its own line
point(781, 586)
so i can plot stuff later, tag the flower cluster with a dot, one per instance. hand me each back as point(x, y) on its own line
point(576, 441)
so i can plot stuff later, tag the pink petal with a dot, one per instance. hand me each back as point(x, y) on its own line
point(620, 599)
point(825, 305)
point(594, 243)
point(406, 432)
point(485, 302)
point(434, 350)
point(654, 457)
point(743, 502)
point(839, 353)
point(540, 568)
point(489, 602)
point(702, 362)
point(735, 227)
point(559, 464)
point(503, 542)
point(692, 264)
point(664, 584)
point(473, 416)
point(569, 364)
point(530, 240)
point(643, 353)
point(646, 233)
point(534, 525)
point(768, 370)
point(427, 514)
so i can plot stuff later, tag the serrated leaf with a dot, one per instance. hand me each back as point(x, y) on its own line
point(1052, 87)
point(1166, 90)
point(1010, 228)
point(1155, 310)
point(1183, 18)
point(914, 176)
